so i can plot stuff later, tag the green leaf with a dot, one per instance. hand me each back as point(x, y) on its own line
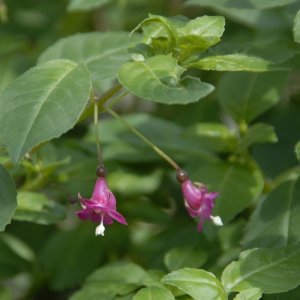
point(182, 257)
point(271, 270)
point(158, 79)
point(265, 4)
point(199, 284)
point(297, 150)
point(11, 262)
point(212, 136)
point(223, 177)
point(258, 133)
point(296, 28)
point(37, 208)
point(275, 222)
point(246, 96)
point(159, 32)
point(232, 62)
point(42, 104)
point(153, 293)
point(103, 53)
point(68, 257)
point(199, 34)
point(8, 198)
point(250, 294)
point(114, 279)
point(79, 5)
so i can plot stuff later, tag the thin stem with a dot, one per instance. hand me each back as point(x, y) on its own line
point(146, 140)
point(96, 123)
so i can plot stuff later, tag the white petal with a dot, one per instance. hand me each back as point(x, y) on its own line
point(100, 229)
point(216, 220)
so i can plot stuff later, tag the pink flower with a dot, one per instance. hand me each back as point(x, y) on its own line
point(198, 201)
point(101, 208)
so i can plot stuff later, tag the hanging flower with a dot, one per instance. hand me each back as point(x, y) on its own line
point(101, 207)
point(198, 201)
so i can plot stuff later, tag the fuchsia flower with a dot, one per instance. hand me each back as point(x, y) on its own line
point(198, 201)
point(101, 207)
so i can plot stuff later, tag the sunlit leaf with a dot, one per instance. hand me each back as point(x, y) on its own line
point(197, 283)
point(152, 293)
point(250, 294)
point(232, 62)
point(158, 79)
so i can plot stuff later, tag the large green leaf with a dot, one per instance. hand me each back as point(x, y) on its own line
point(102, 52)
point(37, 208)
point(232, 62)
point(199, 284)
point(238, 185)
point(8, 198)
point(296, 28)
point(245, 96)
point(75, 5)
point(42, 104)
point(113, 279)
point(153, 293)
point(158, 79)
point(183, 257)
point(258, 133)
point(275, 222)
point(271, 270)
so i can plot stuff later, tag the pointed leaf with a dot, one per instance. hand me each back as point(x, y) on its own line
point(233, 62)
point(275, 222)
point(42, 104)
point(258, 133)
point(158, 79)
point(182, 257)
point(250, 294)
point(271, 270)
point(199, 34)
point(199, 284)
point(153, 293)
point(238, 186)
point(103, 53)
point(8, 198)
point(245, 96)
point(78, 5)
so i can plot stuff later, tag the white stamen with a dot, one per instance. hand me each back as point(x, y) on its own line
point(100, 228)
point(216, 220)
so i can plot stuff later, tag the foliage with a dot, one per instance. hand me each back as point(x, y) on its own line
point(212, 84)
